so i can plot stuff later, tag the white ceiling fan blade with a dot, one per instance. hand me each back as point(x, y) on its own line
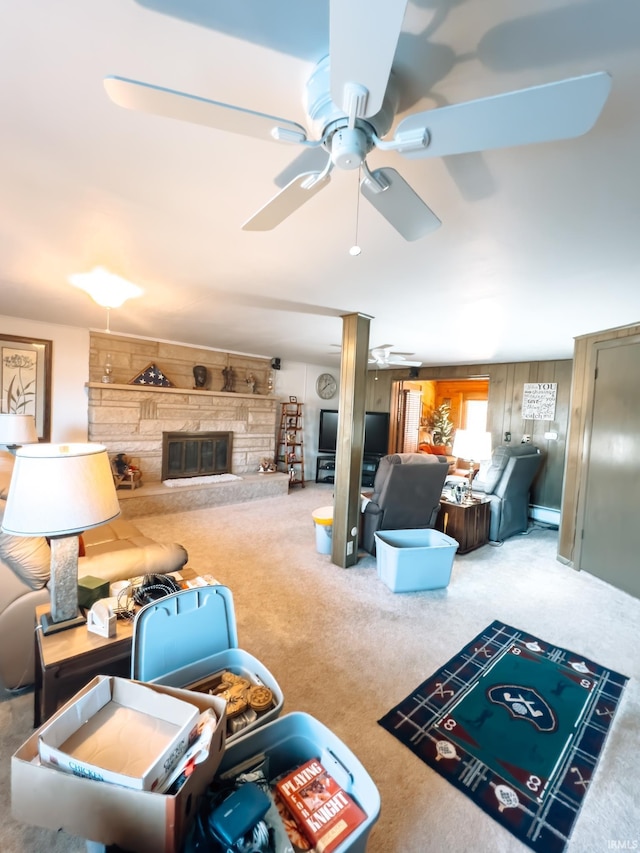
point(403, 362)
point(559, 110)
point(380, 352)
point(134, 95)
point(399, 204)
point(381, 365)
point(385, 355)
point(363, 42)
point(287, 201)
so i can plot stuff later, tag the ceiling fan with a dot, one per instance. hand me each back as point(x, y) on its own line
point(384, 357)
point(351, 101)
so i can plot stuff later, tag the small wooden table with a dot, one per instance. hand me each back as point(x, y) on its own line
point(468, 524)
point(65, 661)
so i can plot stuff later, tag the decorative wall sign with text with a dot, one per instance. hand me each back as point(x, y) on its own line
point(539, 401)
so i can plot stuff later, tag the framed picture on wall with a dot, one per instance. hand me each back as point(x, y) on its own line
point(25, 380)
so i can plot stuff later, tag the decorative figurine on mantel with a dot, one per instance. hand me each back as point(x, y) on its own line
point(267, 466)
point(227, 372)
point(200, 376)
point(251, 382)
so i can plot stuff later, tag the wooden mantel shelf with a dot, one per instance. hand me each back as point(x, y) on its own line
point(112, 386)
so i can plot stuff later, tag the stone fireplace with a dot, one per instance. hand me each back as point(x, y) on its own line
point(195, 454)
point(134, 419)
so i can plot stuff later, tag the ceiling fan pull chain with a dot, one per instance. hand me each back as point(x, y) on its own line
point(355, 250)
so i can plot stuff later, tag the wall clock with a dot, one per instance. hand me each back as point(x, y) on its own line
point(326, 386)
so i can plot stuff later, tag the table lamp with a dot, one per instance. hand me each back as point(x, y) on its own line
point(473, 447)
point(58, 491)
point(16, 430)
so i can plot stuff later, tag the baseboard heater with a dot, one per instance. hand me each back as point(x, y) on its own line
point(545, 515)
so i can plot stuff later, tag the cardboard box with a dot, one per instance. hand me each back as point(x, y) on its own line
point(411, 560)
point(135, 820)
point(121, 732)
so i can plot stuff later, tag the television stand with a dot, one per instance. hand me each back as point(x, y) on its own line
point(326, 469)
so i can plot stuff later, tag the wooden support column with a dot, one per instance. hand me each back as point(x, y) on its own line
point(350, 442)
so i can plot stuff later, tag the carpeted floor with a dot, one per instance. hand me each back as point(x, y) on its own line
point(344, 648)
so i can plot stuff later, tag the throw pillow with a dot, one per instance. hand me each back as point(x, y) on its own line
point(28, 556)
point(7, 462)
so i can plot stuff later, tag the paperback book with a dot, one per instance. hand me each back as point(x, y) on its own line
point(323, 810)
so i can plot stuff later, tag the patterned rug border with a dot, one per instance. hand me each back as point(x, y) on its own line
point(543, 826)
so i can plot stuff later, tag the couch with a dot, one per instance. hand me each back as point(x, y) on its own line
point(114, 551)
point(406, 494)
point(506, 481)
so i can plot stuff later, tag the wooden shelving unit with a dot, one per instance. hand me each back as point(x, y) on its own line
point(290, 456)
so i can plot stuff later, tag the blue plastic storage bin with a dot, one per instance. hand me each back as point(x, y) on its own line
point(295, 738)
point(183, 638)
point(412, 560)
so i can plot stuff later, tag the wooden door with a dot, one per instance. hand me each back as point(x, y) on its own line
point(610, 523)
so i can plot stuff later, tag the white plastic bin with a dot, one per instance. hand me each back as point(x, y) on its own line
point(411, 560)
point(295, 738)
point(323, 518)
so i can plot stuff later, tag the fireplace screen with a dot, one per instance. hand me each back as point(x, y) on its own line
point(195, 454)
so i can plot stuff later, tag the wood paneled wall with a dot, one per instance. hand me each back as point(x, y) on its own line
point(456, 392)
point(506, 386)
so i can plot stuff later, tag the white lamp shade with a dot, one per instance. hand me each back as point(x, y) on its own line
point(472, 445)
point(17, 429)
point(60, 490)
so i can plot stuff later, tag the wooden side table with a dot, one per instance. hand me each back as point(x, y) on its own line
point(65, 661)
point(468, 524)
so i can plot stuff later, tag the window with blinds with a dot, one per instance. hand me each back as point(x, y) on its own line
point(410, 420)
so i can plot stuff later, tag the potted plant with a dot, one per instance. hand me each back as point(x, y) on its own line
point(441, 427)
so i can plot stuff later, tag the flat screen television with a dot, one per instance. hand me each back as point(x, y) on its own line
point(376, 432)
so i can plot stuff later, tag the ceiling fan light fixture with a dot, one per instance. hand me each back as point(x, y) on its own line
point(349, 147)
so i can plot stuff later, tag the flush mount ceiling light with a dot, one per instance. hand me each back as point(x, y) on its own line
point(106, 288)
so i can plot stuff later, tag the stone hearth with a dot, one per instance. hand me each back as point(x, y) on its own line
point(155, 499)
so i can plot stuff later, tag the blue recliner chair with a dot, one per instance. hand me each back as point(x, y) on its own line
point(507, 484)
point(406, 495)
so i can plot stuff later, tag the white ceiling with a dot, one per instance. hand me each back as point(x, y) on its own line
point(538, 244)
